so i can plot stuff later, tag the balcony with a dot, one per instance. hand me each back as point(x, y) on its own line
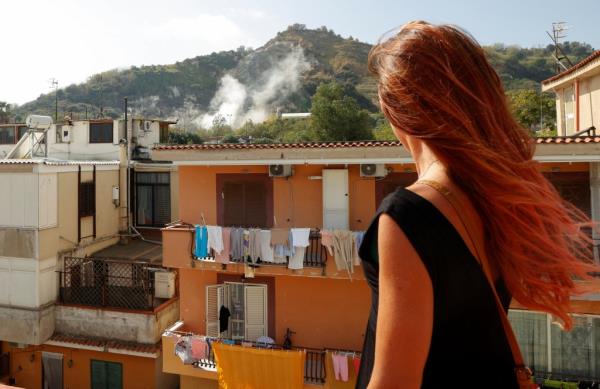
point(315, 366)
point(178, 246)
point(109, 283)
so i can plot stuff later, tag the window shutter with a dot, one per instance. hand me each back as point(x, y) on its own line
point(255, 206)
point(233, 193)
point(214, 300)
point(99, 375)
point(256, 311)
point(114, 378)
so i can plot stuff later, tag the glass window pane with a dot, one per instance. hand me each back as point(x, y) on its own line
point(7, 135)
point(532, 334)
point(162, 205)
point(145, 178)
point(572, 352)
point(144, 205)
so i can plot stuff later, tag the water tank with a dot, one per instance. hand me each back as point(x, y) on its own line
point(38, 122)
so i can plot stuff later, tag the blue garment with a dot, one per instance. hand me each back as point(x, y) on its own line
point(201, 242)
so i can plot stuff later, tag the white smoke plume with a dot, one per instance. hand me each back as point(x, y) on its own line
point(238, 103)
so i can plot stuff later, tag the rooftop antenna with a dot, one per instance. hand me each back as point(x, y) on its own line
point(54, 85)
point(559, 31)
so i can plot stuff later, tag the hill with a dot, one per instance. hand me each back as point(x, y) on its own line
point(246, 84)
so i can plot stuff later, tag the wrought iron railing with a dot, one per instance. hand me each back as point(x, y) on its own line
point(103, 282)
point(315, 255)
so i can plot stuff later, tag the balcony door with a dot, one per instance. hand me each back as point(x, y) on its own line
point(246, 305)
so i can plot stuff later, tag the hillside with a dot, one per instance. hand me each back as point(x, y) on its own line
point(281, 75)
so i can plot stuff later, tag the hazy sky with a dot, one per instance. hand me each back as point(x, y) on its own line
point(72, 39)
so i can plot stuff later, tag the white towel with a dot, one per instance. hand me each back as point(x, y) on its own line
point(266, 250)
point(297, 260)
point(215, 238)
point(300, 237)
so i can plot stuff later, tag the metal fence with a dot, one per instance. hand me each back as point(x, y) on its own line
point(103, 282)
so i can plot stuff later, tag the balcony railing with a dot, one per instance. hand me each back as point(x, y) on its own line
point(314, 366)
point(109, 283)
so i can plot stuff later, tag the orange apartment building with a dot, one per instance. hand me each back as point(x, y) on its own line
point(329, 185)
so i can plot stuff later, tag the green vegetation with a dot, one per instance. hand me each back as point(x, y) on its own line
point(184, 89)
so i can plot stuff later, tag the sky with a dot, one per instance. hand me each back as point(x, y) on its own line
point(70, 40)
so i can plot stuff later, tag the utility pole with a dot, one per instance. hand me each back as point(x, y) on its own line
point(54, 84)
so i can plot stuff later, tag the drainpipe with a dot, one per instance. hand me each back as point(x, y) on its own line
point(128, 145)
point(577, 129)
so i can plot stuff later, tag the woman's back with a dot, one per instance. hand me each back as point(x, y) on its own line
point(468, 343)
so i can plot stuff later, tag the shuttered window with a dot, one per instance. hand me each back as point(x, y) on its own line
point(101, 132)
point(106, 375)
point(248, 308)
point(153, 199)
point(245, 200)
point(87, 199)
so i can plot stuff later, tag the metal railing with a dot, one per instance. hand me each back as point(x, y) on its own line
point(109, 283)
point(315, 255)
point(314, 365)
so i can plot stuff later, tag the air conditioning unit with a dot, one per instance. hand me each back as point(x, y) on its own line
point(373, 170)
point(280, 170)
point(164, 284)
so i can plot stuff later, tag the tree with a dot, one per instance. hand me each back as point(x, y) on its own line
point(5, 112)
point(533, 110)
point(337, 116)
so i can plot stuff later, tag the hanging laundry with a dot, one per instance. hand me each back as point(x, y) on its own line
point(215, 238)
point(279, 236)
point(340, 366)
point(358, 238)
point(245, 245)
point(198, 346)
point(236, 240)
point(183, 350)
point(201, 242)
point(356, 364)
point(296, 260)
point(327, 240)
point(301, 237)
point(266, 250)
point(281, 253)
point(223, 257)
point(224, 318)
point(342, 250)
point(254, 245)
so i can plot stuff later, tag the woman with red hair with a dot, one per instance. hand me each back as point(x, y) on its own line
point(481, 225)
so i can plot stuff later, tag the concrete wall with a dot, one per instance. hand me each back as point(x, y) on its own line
point(27, 326)
point(589, 102)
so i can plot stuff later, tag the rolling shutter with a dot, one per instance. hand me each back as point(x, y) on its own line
point(214, 300)
point(233, 196)
point(255, 311)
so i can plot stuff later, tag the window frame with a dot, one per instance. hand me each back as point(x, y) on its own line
point(93, 140)
point(151, 185)
point(257, 178)
point(106, 363)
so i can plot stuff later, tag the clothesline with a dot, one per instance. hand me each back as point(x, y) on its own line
point(276, 245)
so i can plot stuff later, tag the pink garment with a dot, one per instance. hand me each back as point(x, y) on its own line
point(340, 367)
point(356, 362)
point(224, 256)
point(327, 240)
point(198, 348)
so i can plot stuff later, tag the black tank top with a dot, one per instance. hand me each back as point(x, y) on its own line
point(468, 346)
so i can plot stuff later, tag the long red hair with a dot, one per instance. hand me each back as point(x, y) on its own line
point(435, 84)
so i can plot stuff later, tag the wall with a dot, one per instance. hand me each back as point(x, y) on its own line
point(589, 102)
point(79, 147)
point(322, 312)
point(112, 324)
point(138, 372)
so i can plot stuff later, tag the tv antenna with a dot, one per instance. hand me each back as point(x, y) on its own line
point(559, 31)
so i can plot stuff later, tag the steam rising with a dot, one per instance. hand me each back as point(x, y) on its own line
point(237, 103)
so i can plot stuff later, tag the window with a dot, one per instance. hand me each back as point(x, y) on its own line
point(52, 370)
point(101, 132)
point(7, 135)
point(573, 187)
point(87, 199)
point(385, 186)
point(247, 305)
point(153, 199)
point(244, 200)
point(22, 130)
point(569, 111)
point(106, 375)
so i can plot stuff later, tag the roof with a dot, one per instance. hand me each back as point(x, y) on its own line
point(134, 250)
point(568, 139)
point(304, 145)
point(114, 346)
point(579, 65)
point(54, 162)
